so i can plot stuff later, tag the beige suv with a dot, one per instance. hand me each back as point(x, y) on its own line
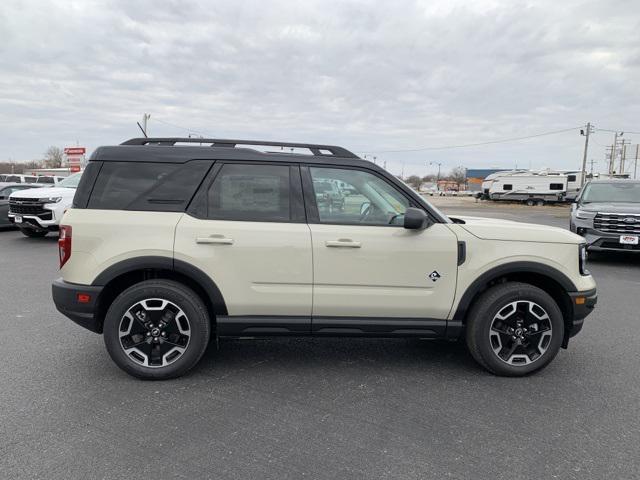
point(169, 244)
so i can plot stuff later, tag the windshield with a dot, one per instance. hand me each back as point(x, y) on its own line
point(612, 192)
point(322, 187)
point(72, 181)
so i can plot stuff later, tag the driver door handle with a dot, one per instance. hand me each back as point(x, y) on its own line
point(343, 242)
point(215, 239)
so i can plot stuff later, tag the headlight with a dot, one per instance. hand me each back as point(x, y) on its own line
point(52, 199)
point(585, 215)
point(582, 260)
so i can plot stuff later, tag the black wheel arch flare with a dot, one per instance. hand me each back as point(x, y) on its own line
point(549, 279)
point(121, 275)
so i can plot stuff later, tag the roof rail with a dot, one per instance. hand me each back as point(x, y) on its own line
point(317, 150)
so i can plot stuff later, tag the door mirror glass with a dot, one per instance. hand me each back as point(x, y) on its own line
point(415, 219)
point(364, 207)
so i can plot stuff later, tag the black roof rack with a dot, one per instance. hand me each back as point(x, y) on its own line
point(317, 150)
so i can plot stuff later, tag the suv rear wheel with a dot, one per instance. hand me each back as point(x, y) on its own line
point(514, 329)
point(156, 329)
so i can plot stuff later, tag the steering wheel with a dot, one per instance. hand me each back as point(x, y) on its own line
point(365, 213)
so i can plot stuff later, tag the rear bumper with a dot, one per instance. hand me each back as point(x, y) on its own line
point(583, 304)
point(65, 297)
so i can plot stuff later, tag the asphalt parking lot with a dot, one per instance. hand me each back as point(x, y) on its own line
point(316, 408)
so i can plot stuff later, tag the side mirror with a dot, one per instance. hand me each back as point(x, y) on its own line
point(364, 207)
point(416, 219)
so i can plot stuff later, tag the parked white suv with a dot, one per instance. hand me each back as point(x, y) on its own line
point(39, 211)
point(167, 245)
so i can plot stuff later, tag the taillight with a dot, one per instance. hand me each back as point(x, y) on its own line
point(64, 244)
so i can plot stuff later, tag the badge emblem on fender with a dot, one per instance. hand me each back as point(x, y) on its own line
point(434, 275)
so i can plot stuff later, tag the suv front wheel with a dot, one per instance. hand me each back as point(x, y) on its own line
point(156, 329)
point(514, 329)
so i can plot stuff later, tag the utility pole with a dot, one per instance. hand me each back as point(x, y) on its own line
point(586, 132)
point(623, 155)
point(438, 177)
point(612, 159)
point(635, 168)
point(614, 152)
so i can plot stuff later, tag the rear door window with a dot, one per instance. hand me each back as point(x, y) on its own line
point(250, 192)
point(166, 187)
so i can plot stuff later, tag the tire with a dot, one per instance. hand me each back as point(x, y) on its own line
point(490, 347)
point(540, 203)
point(530, 202)
point(157, 350)
point(34, 233)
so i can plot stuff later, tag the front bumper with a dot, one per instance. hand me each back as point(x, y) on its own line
point(35, 222)
point(583, 304)
point(66, 298)
point(598, 241)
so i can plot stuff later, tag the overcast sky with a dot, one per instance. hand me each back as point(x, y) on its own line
point(370, 76)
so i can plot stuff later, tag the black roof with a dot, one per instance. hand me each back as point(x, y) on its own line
point(174, 150)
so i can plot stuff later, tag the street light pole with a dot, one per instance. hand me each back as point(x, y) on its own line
point(586, 134)
point(438, 177)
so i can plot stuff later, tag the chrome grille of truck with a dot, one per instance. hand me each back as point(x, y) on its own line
point(624, 223)
point(27, 206)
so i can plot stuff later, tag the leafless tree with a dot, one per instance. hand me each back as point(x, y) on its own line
point(53, 157)
point(459, 176)
point(414, 181)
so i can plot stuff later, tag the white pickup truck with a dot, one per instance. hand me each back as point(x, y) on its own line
point(37, 212)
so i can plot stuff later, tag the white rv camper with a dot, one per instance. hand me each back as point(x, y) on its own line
point(488, 181)
point(531, 188)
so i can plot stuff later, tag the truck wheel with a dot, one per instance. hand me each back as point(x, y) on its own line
point(34, 233)
point(530, 202)
point(156, 330)
point(514, 329)
point(540, 203)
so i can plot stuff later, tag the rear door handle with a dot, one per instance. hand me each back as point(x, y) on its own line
point(215, 239)
point(343, 242)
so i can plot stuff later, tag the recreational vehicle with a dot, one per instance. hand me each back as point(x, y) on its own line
point(533, 189)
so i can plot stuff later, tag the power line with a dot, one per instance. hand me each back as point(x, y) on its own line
point(182, 128)
point(504, 140)
point(617, 131)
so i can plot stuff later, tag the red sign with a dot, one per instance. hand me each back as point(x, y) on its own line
point(75, 150)
point(74, 168)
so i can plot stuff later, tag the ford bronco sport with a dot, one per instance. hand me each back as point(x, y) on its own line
point(168, 244)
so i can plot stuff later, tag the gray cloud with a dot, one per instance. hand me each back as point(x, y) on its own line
point(366, 75)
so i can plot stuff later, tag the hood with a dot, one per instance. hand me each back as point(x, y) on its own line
point(508, 230)
point(611, 207)
point(45, 192)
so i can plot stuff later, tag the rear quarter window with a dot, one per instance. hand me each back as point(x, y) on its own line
point(166, 187)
